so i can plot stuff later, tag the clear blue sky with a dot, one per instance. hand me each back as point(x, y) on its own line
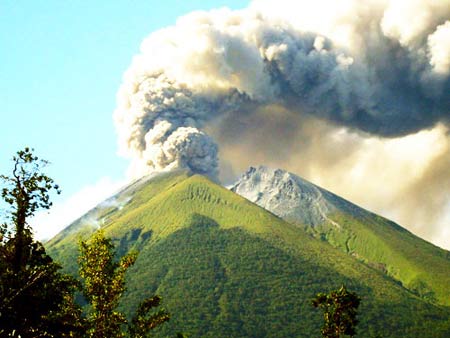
point(61, 63)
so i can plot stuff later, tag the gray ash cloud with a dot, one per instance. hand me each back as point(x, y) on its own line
point(384, 79)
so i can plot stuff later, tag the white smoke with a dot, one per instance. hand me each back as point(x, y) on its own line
point(439, 49)
point(379, 68)
point(185, 147)
point(158, 121)
point(47, 224)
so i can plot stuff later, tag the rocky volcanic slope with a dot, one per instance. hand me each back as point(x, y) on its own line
point(288, 196)
point(420, 266)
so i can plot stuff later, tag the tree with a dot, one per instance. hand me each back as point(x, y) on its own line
point(104, 284)
point(339, 311)
point(36, 299)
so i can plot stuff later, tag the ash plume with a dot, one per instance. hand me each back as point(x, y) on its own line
point(387, 79)
point(378, 69)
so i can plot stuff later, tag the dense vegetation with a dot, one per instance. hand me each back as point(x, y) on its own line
point(36, 299)
point(104, 285)
point(339, 312)
point(226, 267)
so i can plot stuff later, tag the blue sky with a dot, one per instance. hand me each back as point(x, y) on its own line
point(60, 67)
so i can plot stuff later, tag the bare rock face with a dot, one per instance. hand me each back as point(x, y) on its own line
point(288, 196)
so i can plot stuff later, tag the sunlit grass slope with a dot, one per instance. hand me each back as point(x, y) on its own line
point(420, 266)
point(227, 268)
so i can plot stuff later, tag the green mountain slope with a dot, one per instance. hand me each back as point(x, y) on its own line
point(227, 268)
point(420, 266)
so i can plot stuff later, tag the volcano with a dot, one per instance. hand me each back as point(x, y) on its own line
point(227, 267)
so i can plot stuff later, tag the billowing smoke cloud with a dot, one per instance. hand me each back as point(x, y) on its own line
point(375, 69)
point(159, 121)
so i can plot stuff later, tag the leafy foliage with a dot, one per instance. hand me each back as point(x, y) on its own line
point(144, 320)
point(104, 284)
point(27, 190)
point(339, 312)
point(36, 299)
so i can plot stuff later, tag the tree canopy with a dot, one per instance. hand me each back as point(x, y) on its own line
point(104, 284)
point(339, 311)
point(36, 298)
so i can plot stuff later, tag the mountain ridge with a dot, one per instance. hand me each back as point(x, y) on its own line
point(227, 267)
point(369, 237)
